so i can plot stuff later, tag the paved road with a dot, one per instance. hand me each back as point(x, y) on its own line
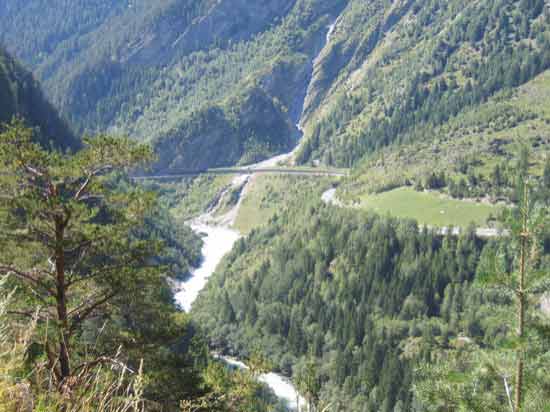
point(177, 174)
point(481, 232)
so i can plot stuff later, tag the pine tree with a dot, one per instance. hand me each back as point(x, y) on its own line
point(309, 385)
point(66, 240)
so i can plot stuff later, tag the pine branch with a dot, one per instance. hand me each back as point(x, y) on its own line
point(26, 276)
point(81, 313)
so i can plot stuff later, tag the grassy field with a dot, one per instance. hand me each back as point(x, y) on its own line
point(428, 208)
point(269, 194)
point(194, 196)
point(255, 209)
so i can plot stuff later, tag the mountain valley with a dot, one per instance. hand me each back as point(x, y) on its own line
point(238, 206)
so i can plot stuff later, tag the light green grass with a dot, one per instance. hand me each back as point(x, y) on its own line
point(428, 208)
point(269, 194)
point(255, 211)
point(195, 196)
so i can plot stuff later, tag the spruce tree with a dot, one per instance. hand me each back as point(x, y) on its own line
point(525, 280)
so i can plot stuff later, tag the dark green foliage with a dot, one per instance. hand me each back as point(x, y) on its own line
point(508, 369)
point(21, 96)
point(247, 131)
point(362, 294)
point(435, 181)
point(85, 260)
point(210, 82)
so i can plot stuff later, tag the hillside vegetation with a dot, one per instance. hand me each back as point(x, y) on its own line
point(215, 83)
point(357, 307)
point(88, 320)
point(21, 96)
point(472, 155)
point(440, 109)
point(399, 72)
point(211, 83)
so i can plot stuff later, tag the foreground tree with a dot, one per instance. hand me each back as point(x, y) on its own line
point(525, 279)
point(511, 372)
point(66, 241)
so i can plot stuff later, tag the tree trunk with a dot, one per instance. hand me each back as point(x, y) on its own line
point(519, 366)
point(61, 300)
point(521, 305)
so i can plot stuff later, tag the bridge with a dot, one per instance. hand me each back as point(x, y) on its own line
point(183, 173)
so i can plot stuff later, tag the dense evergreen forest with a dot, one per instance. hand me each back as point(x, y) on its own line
point(358, 304)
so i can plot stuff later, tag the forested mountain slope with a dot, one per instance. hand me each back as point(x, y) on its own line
point(210, 82)
point(472, 154)
point(355, 307)
point(21, 96)
point(395, 71)
point(221, 82)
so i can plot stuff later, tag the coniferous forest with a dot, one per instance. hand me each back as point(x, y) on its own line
point(365, 304)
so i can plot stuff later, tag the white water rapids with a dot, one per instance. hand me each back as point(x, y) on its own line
point(217, 243)
point(218, 240)
point(285, 391)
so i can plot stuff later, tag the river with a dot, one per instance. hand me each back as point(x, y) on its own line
point(218, 240)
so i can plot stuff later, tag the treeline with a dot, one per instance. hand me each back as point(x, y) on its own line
point(500, 185)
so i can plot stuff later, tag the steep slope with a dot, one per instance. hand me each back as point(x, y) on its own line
point(20, 95)
point(210, 82)
point(473, 155)
point(354, 300)
point(395, 70)
point(219, 82)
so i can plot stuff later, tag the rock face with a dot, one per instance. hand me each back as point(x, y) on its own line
point(230, 20)
point(174, 28)
point(349, 48)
